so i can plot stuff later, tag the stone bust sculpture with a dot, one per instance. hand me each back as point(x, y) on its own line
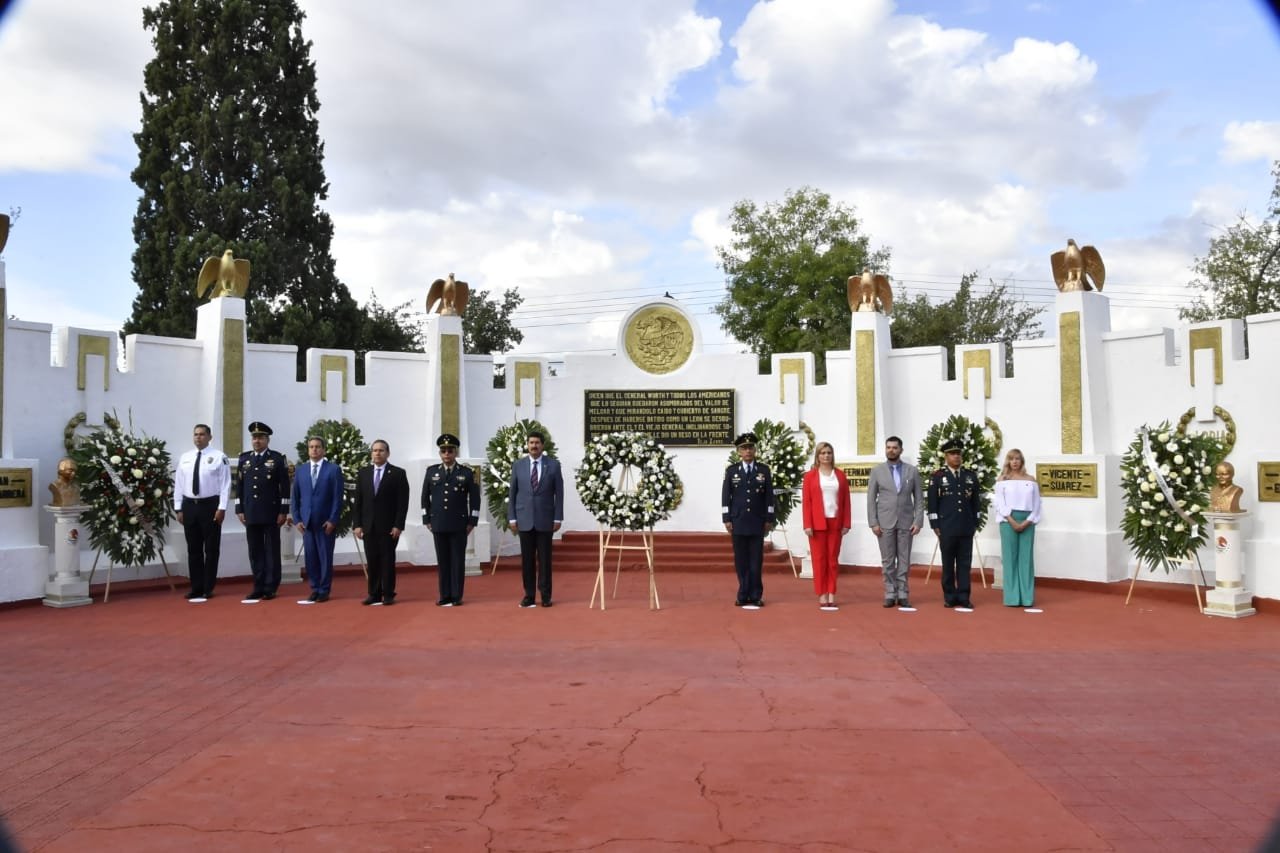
point(1225, 496)
point(65, 490)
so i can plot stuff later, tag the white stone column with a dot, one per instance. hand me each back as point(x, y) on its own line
point(67, 588)
point(1228, 597)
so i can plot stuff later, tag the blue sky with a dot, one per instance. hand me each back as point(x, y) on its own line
point(587, 153)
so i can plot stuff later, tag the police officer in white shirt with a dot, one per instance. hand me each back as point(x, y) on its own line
point(202, 486)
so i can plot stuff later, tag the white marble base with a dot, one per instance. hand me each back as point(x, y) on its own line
point(1232, 603)
point(67, 592)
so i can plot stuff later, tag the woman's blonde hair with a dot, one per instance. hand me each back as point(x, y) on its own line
point(819, 449)
point(1004, 472)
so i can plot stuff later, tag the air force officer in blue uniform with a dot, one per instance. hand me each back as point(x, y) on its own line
point(450, 510)
point(953, 504)
point(746, 506)
point(262, 505)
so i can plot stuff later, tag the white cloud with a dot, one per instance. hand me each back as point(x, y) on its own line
point(73, 73)
point(1251, 140)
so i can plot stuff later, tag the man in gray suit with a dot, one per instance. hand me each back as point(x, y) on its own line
point(535, 510)
point(895, 514)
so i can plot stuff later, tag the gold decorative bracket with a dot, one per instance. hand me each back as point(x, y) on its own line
point(87, 345)
point(336, 364)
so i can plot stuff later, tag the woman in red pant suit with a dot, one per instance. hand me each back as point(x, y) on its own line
point(824, 498)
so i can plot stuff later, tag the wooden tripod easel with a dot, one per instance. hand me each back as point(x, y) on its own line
point(1191, 562)
point(106, 594)
point(982, 566)
point(606, 545)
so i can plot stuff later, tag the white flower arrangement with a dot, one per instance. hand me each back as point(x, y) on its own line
point(127, 526)
point(1182, 464)
point(778, 447)
point(508, 444)
point(656, 489)
point(979, 454)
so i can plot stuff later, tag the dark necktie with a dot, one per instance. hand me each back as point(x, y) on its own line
point(377, 479)
point(195, 475)
point(533, 477)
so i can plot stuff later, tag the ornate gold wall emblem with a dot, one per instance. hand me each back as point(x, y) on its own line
point(658, 339)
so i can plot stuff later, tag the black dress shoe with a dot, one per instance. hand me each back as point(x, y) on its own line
point(527, 601)
point(387, 602)
point(192, 594)
point(546, 602)
point(759, 602)
point(902, 602)
point(738, 602)
point(370, 599)
point(890, 603)
point(267, 596)
point(948, 604)
point(321, 597)
point(313, 596)
point(967, 605)
point(445, 602)
point(457, 602)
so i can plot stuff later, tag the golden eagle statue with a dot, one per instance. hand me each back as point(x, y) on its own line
point(1075, 268)
point(869, 292)
point(448, 297)
point(229, 273)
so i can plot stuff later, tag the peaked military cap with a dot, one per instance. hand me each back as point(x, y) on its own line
point(745, 440)
point(259, 428)
point(953, 444)
point(447, 439)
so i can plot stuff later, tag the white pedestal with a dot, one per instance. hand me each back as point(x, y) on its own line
point(67, 589)
point(1228, 597)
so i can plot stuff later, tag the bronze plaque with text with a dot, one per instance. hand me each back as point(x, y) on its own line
point(15, 487)
point(1067, 479)
point(689, 418)
point(858, 474)
point(1269, 481)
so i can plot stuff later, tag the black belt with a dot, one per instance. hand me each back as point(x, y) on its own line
point(199, 500)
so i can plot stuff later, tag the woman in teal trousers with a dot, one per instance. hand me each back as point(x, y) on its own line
point(1017, 505)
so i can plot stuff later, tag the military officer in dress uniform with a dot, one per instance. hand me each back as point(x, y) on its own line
point(262, 505)
point(953, 505)
point(746, 506)
point(451, 510)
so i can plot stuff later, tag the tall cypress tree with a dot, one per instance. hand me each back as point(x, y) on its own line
point(229, 156)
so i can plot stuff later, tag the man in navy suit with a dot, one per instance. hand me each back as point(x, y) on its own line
point(746, 507)
point(316, 506)
point(535, 511)
point(382, 503)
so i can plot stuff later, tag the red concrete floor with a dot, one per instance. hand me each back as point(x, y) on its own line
point(149, 724)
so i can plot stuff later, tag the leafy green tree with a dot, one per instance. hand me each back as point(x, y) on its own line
point(786, 268)
point(965, 318)
point(1240, 275)
point(486, 324)
point(385, 330)
point(229, 156)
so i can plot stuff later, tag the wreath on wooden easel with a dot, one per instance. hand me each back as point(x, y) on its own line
point(627, 481)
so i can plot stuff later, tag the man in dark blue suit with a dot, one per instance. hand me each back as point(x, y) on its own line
point(316, 506)
point(451, 510)
point(953, 504)
point(746, 507)
point(535, 511)
point(381, 507)
point(262, 504)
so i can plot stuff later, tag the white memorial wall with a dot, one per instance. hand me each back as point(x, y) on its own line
point(1076, 398)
